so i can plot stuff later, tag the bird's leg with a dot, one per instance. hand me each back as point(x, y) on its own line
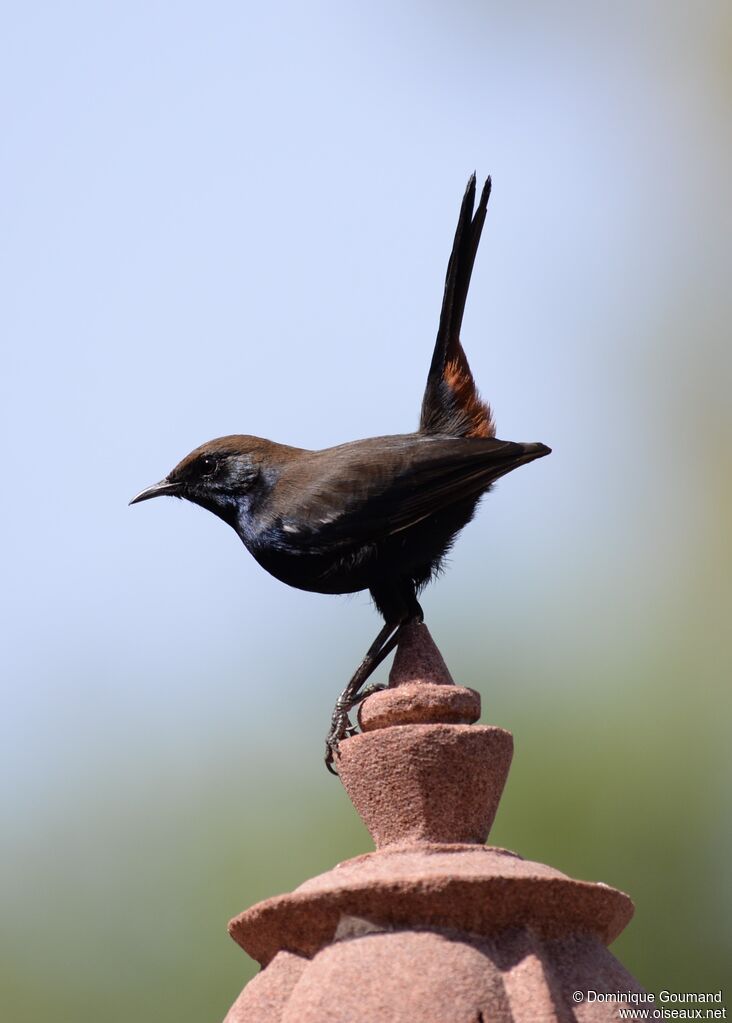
point(340, 725)
point(415, 617)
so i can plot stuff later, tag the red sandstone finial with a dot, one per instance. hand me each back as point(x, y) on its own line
point(433, 926)
point(417, 659)
point(422, 771)
point(421, 689)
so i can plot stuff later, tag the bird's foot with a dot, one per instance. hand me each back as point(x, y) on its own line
point(341, 726)
point(377, 687)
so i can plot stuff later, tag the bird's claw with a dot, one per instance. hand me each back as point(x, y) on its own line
point(376, 687)
point(341, 728)
point(330, 752)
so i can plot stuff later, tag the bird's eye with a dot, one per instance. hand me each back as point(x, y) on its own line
point(208, 465)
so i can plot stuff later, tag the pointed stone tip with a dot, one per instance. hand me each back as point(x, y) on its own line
point(421, 689)
point(417, 659)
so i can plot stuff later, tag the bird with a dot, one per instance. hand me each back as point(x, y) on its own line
point(378, 514)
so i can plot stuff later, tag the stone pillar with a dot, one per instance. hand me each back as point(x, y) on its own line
point(433, 926)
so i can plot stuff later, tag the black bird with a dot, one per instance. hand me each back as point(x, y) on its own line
point(377, 514)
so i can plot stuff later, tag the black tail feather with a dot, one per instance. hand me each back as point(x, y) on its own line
point(451, 402)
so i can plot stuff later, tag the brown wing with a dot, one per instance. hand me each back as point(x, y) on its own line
point(451, 403)
point(383, 486)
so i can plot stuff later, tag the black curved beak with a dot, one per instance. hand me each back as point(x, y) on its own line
point(161, 489)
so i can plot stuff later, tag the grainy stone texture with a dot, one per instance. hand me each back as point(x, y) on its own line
point(388, 983)
point(417, 703)
point(418, 660)
point(426, 783)
point(265, 998)
point(433, 926)
point(421, 689)
point(474, 888)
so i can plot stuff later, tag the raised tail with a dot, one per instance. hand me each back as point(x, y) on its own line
point(451, 403)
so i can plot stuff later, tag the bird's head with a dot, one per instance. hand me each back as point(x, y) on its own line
point(218, 475)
